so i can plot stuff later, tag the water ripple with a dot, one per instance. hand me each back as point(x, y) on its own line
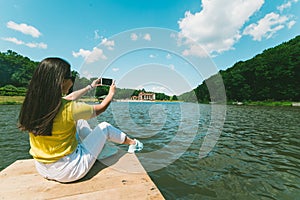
point(257, 155)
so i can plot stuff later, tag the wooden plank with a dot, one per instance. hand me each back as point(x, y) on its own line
point(124, 178)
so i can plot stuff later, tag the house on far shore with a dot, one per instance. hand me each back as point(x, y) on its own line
point(144, 96)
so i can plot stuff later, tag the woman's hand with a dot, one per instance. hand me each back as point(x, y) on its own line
point(95, 83)
point(112, 88)
point(99, 108)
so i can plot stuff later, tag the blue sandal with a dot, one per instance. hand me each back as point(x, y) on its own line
point(138, 146)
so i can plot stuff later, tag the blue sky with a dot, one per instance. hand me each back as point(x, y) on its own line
point(84, 32)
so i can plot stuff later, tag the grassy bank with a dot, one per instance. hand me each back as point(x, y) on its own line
point(264, 103)
point(16, 100)
point(11, 100)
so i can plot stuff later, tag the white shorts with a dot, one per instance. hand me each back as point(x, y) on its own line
point(77, 164)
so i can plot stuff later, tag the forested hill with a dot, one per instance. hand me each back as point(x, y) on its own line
point(15, 69)
point(272, 75)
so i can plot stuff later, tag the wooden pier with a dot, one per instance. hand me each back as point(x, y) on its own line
point(121, 177)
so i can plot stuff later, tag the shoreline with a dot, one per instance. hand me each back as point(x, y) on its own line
point(266, 103)
point(18, 100)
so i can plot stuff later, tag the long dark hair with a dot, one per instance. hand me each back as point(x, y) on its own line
point(43, 98)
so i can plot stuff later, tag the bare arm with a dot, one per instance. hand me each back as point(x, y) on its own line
point(79, 93)
point(99, 108)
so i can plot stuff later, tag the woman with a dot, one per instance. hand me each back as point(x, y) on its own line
point(56, 122)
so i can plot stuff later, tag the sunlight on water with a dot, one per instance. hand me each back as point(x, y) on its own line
point(256, 157)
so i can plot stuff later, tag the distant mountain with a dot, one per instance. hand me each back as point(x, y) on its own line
point(272, 75)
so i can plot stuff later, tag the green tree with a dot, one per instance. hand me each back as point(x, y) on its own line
point(271, 75)
point(15, 69)
point(101, 91)
point(174, 98)
point(161, 96)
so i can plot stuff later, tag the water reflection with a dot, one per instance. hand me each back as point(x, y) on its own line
point(257, 155)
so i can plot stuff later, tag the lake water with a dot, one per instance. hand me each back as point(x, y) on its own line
point(257, 155)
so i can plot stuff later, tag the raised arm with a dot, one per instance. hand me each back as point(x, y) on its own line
point(79, 93)
point(99, 108)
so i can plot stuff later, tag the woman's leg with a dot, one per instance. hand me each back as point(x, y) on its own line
point(83, 129)
point(95, 141)
point(77, 165)
point(129, 141)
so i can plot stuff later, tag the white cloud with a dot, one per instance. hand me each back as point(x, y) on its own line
point(83, 53)
point(271, 23)
point(147, 37)
point(267, 26)
point(286, 5)
point(24, 28)
point(108, 43)
point(40, 45)
point(195, 50)
point(90, 56)
point(95, 55)
point(29, 44)
point(217, 26)
point(134, 36)
point(291, 24)
point(13, 40)
point(28, 30)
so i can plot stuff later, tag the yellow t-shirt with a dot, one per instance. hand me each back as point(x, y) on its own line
point(48, 149)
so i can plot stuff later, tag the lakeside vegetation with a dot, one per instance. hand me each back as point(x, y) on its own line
point(263, 103)
point(11, 100)
point(271, 78)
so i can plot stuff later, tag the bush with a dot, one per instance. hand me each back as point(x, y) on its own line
point(10, 90)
